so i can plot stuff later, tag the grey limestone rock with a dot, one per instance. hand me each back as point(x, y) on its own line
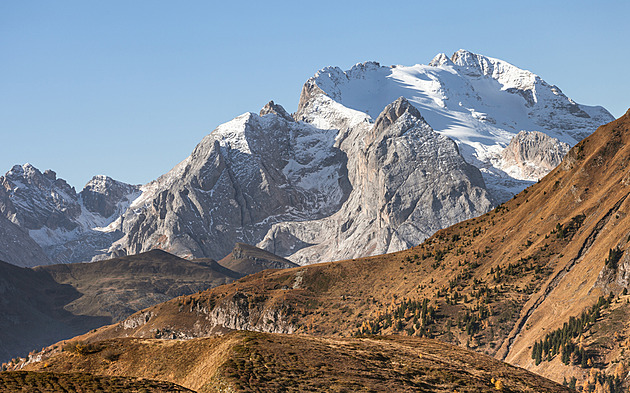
point(245, 176)
point(407, 182)
point(18, 248)
point(105, 196)
point(533, 154)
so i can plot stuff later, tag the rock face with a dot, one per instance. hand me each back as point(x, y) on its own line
point(32, 199)
point(107, 197)
point(18, 248)
point(69, 227)
point(532, 154)
point(308, 192)
point(245, 176)
point(408, 181)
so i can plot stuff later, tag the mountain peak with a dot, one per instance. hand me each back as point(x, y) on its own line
point(247, 259)
point(277, 109)
point(440, 59)
point(50, 174)
point(394, 111)
point(474, 64)
point(28, 175)
point(465, 57)
point(106, 196)
point(366, 65)
point(20, 170)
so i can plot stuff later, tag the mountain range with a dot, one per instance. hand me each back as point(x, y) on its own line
point(387, 173)
point(375, 160)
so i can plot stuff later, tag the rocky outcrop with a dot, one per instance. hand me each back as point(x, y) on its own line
point(272, 107)
point(191, 317)
point(33, 200)
point(239, 313)
point(615, 275)
point(532, 154)
point(107, 197)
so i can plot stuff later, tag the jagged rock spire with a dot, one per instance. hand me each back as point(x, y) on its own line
point(272, 107)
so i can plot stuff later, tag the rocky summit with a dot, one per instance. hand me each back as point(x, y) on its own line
point(408, 181)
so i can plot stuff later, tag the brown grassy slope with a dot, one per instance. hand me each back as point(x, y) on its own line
point(496, 283)
point(262, 362)
point(47, 382)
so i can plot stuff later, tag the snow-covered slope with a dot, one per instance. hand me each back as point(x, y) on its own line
point(478, 101)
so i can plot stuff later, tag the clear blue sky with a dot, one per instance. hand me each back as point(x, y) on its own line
point(128, 88)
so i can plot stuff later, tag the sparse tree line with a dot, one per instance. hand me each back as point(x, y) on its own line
point(561, 341)
point(599, 382)
point(413, 316)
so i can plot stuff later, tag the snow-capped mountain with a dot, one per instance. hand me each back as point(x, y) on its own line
point(375, 160)
point(69, 227)
point(479, 102)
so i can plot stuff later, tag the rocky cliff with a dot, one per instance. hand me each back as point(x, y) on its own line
point(532, 154)
point(248, 174)
point(18, 248)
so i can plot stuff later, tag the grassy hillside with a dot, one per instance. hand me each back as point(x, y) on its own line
point(47, 382)
point(119, 287)
point(262, 362)
point(33, 314)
